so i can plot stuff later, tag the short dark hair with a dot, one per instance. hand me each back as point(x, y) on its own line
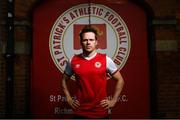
point(88, 28)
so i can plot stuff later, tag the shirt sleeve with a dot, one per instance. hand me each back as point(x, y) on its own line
point(68, 69)
point(111, 66)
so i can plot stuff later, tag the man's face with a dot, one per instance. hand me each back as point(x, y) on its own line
point(89, 42)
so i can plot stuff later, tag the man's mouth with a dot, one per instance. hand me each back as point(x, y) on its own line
point(88, 46)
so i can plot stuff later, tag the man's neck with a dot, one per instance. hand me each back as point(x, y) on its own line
point(89, 54)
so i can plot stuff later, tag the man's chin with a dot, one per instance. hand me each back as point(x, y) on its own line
point(88, 51)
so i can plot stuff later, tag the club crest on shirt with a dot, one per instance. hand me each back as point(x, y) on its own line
point(97, 64)
point(77, 66)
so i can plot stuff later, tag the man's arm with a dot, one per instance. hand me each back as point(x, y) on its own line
point(73, 103)
point(119, 85)
point(118, 88)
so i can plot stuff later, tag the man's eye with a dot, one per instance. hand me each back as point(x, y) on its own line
point(84, 40)
point(91, 39)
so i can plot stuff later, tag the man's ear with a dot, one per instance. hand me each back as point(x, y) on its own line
point(97, 43)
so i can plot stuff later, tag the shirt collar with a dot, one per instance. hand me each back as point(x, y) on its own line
point(91, 57)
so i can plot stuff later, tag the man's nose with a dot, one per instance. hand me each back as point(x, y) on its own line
point(88, 41)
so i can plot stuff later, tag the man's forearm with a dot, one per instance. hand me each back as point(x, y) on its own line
point(64, 86)
point(119, 85)
point(118, 89)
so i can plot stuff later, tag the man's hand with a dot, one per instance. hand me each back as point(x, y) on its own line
point(73, 103)
point(108, 103)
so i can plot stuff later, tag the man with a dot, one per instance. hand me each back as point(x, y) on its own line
point(90, 69)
